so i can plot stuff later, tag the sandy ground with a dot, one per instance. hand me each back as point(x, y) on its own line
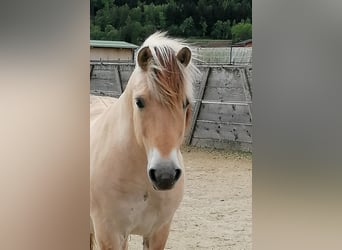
point(216, 212)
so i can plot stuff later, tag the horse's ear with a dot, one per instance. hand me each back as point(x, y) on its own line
point(144, 56)
point(184, 56)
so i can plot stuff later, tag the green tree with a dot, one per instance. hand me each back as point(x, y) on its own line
point(123, 13)
point(221, 30)
point(136, 14)
point(174, 30)
point(134, 20)
point(204, 27)
point(173, 14)
point(187, 26)
point(150, 14)
point(162, 20)
point(111, 33)
point(241, 31)
point(131, 31)
point(95, 32)
point(146, 31)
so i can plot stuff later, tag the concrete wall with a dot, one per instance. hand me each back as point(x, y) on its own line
point(222, 108)
point(111, 54)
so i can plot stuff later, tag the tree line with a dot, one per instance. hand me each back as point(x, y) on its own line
point(134, 20)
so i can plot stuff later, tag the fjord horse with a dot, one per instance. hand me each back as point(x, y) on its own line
point(137, 173)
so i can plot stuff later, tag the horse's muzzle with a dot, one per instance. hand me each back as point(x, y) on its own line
point(164, 175)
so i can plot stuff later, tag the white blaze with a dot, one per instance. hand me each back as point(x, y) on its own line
point(154, 158)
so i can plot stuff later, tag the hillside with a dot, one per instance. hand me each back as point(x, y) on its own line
point(134, 20)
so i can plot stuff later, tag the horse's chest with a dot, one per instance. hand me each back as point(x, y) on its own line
point(149, 213)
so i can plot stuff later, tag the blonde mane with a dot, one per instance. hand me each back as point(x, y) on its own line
point(168, 79)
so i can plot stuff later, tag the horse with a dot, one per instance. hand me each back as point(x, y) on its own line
point(136, 167)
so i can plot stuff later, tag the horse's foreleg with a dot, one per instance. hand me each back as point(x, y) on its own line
point(125, 245)
point(157, 240)
point(112, 243)
point(106, 239)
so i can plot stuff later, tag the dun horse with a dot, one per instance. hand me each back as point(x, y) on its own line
point(137, 173)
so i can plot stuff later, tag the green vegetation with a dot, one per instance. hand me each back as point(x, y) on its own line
point(241, 31)
point(134, 20)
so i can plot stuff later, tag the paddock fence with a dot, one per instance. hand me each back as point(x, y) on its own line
point(222, 115)
point(225, 55)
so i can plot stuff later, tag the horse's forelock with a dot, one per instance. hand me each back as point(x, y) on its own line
point(168, 80)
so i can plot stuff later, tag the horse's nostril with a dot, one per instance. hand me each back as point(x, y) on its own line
point(178, 174)
point(152, 174)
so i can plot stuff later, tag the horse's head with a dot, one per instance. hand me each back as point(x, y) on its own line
point(161, 107)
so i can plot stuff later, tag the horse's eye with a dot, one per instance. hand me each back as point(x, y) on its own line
point(140, 103)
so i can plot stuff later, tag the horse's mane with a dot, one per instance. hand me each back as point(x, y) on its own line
point(168, 79)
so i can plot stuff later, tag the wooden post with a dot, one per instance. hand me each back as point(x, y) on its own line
point(197, 106)
point(247, 90)
point(91, 70)
point(120, 81)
